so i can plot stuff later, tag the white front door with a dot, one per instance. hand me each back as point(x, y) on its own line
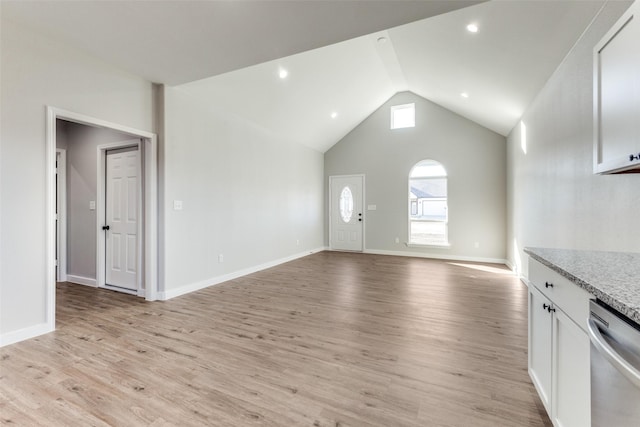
point(346, 213)
point(121, 213)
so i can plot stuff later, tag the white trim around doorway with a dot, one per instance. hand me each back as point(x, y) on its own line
point(149, 147)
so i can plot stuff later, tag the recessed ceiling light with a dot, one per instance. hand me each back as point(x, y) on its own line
point(472, 28)
point(334, 115)
point(464, 95)
point(283, 73)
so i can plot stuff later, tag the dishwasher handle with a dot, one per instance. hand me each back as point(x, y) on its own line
point(608, 352)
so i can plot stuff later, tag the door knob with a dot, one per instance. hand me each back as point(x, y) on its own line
point(105, 227)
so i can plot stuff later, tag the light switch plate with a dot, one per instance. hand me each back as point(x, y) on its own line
point(177, 205)
point(92, 205)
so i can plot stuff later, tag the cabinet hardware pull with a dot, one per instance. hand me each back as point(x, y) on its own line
point(548, 307)
point(548, 285)
point(633, 157)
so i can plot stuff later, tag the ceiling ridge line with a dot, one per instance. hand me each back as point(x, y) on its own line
point(389, 57)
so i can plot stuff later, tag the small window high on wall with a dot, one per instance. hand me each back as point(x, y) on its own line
point(403, 116)
point(428, 212)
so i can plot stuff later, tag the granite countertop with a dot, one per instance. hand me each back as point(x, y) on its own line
point(613, 277)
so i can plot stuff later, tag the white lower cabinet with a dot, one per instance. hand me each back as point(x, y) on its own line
point(571, 394)
point(559, 347)
point(540, 345)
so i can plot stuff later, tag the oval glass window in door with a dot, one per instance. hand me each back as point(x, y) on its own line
point(346, 204)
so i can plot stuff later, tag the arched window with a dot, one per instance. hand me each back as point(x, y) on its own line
point(428, 213)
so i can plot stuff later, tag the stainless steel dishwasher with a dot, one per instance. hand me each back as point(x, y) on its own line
point(615, 368)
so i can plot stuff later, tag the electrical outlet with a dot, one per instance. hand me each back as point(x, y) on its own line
point(177, 205)
point(220, 258)
point(477, 245)
point(297, 242)
point(397, 240)
point(92, 205)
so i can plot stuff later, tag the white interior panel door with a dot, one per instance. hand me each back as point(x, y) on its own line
point(346, 213)
point(122, 218)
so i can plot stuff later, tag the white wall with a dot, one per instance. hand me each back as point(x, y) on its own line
point(475, 160)
point(554, 200)
point(246, 194)
point(37, 72)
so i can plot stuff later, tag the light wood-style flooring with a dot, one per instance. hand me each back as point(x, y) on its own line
point(332, 339)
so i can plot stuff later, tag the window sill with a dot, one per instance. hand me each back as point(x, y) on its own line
point(433, 245)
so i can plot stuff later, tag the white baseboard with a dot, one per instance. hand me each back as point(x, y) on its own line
point(437, 256)
point(25, 333)
point(172, 293)
point(513, 268)
point(80, 280)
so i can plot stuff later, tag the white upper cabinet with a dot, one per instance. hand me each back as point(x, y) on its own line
point(617, 96)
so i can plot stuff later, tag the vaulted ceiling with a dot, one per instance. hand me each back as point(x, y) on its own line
point(178, 41)
point(342, 57)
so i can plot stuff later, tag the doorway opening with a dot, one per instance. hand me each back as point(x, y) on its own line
point(86, 190)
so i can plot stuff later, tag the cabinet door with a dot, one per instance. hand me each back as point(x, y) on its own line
point(571, 395)
point(540, 343)
point(617, 96)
